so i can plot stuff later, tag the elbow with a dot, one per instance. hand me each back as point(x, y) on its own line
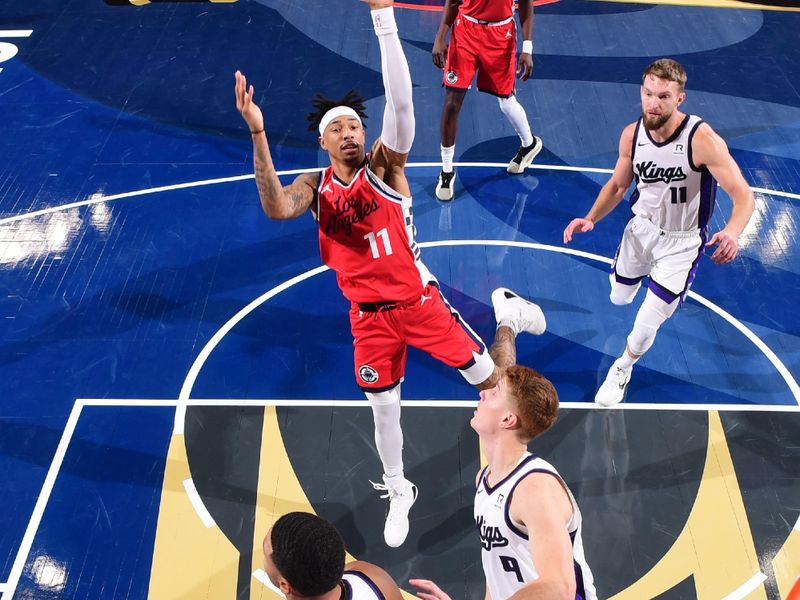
point(273, 212)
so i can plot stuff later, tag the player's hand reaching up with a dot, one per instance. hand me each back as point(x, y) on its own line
point(728, 247)
point(577, 226)
point(249, 110)
point(428, 590)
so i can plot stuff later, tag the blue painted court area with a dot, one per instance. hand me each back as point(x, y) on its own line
point(107, 294)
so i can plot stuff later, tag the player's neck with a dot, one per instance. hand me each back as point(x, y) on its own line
point(666, 131)
point(503, 455)
point(345, 171)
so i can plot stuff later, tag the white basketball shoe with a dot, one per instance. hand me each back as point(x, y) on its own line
point(612, 391)
point(526, 315)
point(401, 494)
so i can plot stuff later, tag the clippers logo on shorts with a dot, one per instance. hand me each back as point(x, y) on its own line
point(650, 172)
point(491, 537)
point(367, 374)
point(451, 77)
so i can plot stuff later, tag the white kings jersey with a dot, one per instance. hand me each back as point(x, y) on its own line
point(506, 551)
point(358, 586)
point(671, 191)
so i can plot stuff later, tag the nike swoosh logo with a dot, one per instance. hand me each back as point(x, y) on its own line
point(645, 144)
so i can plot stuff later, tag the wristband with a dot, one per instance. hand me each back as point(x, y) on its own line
point(383, 21)
point(527, 46)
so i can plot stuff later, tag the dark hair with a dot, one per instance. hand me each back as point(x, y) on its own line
point(322, 105)
point(535, 400)
point(668, 69)
point(308, 552)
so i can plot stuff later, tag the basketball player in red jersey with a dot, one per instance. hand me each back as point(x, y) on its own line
point(483, 39)
point(362, 205)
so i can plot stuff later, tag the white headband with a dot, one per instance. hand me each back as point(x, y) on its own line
point(335, 113)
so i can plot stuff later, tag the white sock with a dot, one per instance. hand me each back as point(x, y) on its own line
point(515, 114)
point(626, 361)
point(447, 158)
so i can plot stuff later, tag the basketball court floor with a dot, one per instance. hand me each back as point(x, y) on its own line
point(176, 369)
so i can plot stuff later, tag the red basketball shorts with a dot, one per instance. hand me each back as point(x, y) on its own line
point(488, 49)
point(381, 339)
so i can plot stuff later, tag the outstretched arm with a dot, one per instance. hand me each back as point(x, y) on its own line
point(390, 151)
point(709, 149)
point(439, 52)
point(525, 61)
point(612, 192)
point(278, 202)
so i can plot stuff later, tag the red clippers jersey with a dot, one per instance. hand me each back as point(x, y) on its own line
point(366, 235)
point(488, 10)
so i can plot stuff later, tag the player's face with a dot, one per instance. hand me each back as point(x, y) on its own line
point(492, 408)
point(343, 138)
point(660, 98)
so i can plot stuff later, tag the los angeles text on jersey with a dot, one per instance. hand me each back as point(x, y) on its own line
point(491, 537)
point(650, 172)
point(347, 212)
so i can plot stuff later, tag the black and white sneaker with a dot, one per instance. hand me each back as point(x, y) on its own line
point(525, 156)
point(521, 314)
point(612, 391)
point(445, 185)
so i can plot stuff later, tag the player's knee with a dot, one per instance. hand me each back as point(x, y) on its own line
point(384, 398)
point(507, 104)
point(641, 338)
point(622, 294)
point(652, 314)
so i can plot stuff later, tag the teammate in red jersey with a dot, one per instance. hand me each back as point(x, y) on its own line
point(483, 39)
point(362, 205)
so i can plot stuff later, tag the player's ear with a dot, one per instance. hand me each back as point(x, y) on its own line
point(322, 142)
point(681, 98)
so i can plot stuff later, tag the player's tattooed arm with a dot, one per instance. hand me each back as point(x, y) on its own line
point(281, 202)
point(277, 201)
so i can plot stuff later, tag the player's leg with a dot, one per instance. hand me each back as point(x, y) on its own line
point(653, 312)
point(379, 356)
point(459, 69)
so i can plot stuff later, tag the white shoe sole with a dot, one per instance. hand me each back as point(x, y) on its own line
point(515, 169)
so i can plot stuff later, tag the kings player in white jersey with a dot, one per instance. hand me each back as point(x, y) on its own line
point(527, 519)
point(676, 160)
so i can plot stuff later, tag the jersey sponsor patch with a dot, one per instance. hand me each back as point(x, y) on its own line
point(367, 374)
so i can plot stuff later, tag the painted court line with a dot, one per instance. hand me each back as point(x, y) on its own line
point(364, 403)
point(197, 365)
point(41, 502)
point(95, 199)
point(8, 588)
point(750, 585)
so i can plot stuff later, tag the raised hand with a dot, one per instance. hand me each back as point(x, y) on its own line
point(376, 4)
point(577, 226)
point(728, 247)
point(428, 590)
point(249, 110)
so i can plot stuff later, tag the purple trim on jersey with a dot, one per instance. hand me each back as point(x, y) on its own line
point(671, 138)
point(695, 263)
point(481, 476)
point(689, 149)
point(507, 507)
point(491, 489)
point(662, 292)
point(708, 197)
point(635, 137)
point(635, 194)
point(626, 280)
point(580, 589)
point(363, 577)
